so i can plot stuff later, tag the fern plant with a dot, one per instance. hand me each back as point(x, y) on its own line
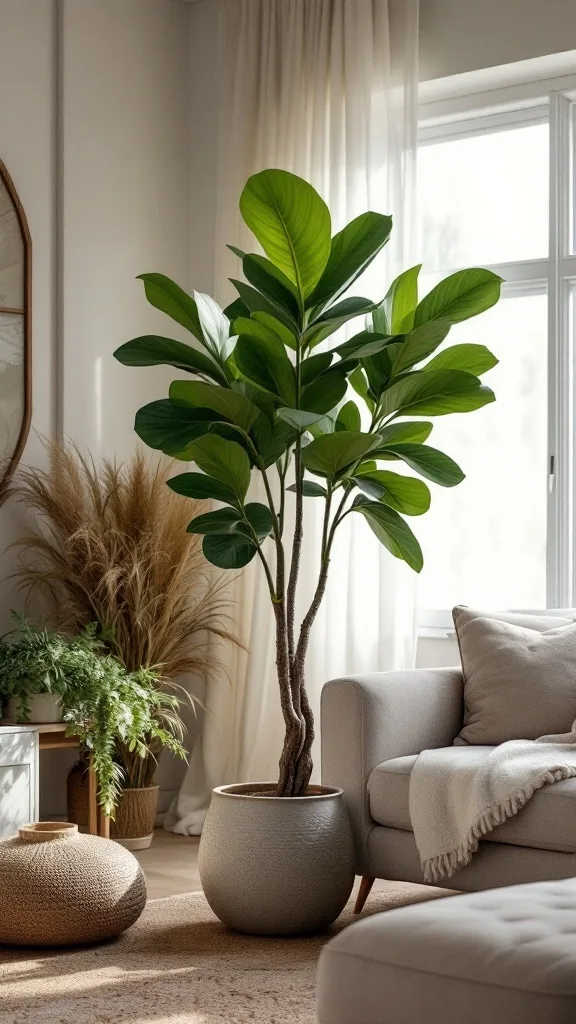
point(107, 707)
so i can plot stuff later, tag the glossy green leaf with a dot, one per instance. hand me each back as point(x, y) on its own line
point(310, 489)
point(273, 284)
point(215, 326)
point(222, 520)
point(200, 486)
point(153, 350)
point(325, 392)
point(476, 359)
point(260, 518)
point(393, 532)
point(236, 308)
point(314, 366)
point(349, 418)
point(287, 337)
point(334, 318)
point(166, 295)
point(264, 362)
point(366, 343)
point(330, 454)
point(225, 460)
point(237, 252)
point(170, 429)
point(351, 252)
point(429, 462)
point(404, 493)
point(257, 303)
point(401, 301)
point(229, 404)
point(436, 393)
point(272, 439)
point(415, 431)
point(460, 296)
point(417, 345)
point(358, 381)
point(299, 418)
point(292, 224)
point(228, 550)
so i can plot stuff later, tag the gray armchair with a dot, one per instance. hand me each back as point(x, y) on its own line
point(373, 728)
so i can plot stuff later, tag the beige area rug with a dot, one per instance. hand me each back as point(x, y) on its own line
point(177, 965)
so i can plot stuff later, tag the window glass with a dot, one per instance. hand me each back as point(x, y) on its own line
point(484, 199)
point(484, 541)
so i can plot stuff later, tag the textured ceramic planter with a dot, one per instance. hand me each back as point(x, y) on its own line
point(45, 709)
point(276, 865)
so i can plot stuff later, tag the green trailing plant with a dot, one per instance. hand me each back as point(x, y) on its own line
point(276, 395)
point(104, 705)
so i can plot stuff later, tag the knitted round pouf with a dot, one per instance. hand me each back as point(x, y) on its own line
point(60, 888)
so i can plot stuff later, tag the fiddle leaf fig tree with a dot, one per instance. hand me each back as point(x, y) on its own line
point(272, 391)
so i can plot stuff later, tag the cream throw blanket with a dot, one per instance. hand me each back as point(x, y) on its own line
point(458, 794)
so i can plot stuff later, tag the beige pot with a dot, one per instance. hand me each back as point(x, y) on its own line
point(134, 817)
point(276, 865)
point(45, 709)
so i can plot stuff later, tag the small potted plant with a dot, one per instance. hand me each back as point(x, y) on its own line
point(107, 707)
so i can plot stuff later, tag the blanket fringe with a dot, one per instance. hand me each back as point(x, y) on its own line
point(446, 864)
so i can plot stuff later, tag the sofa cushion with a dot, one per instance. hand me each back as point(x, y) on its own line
point(519, 682)
point(547, 822)
point(505, 957)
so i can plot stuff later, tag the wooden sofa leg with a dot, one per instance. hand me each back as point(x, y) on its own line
point(363, 893)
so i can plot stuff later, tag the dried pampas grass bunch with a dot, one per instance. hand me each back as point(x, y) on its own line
point(110, 546)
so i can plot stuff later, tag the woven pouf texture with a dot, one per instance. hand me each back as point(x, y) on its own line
point(60, 888)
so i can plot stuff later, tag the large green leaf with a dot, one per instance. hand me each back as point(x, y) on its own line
point(348, 418)
point(170, 429)
point(314, 366)
point(272, 439)
point(418, 344)
point(404, 493)
point(200, 486)
point(476, 359)
point(166, 295)
point(229, 404)
point(299, 418)
point(325, 392)
point(358, 381)
point(292, 224)
point(460, 296)
point(310, 489)
point(228, 550)
point(225, 460)
point(264, 362)
point(286, 336)
point(351, 251)
point(366, 343)
point(411, 431)
point(153, 350)
point(254, 302)
point(429, 462)
point(222, 520)
point(273, 284)
point(329, 454)
point(334, 318)
point(260, 518)
point(392, 531)
point(215, 326)
point(401, 301)
point(436, 393)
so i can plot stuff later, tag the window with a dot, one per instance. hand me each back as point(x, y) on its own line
point(495, 190)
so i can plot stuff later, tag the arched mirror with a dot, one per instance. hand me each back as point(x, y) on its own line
point(15, 368)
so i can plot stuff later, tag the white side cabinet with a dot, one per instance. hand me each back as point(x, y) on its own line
point(18, 777)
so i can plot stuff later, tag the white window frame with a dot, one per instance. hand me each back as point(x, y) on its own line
point(473, 104)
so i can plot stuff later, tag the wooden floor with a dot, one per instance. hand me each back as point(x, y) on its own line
point(171, 865)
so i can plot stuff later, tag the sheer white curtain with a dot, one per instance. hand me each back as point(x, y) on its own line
point(326, 89)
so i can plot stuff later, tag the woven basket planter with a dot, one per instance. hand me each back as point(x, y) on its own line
point(134, 817)
point(133, 823)
point(59, 888)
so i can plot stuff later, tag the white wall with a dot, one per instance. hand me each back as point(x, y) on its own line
point(465, 35)
point(94, 129)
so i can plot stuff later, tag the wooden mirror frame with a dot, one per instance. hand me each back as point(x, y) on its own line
point(27, 360)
